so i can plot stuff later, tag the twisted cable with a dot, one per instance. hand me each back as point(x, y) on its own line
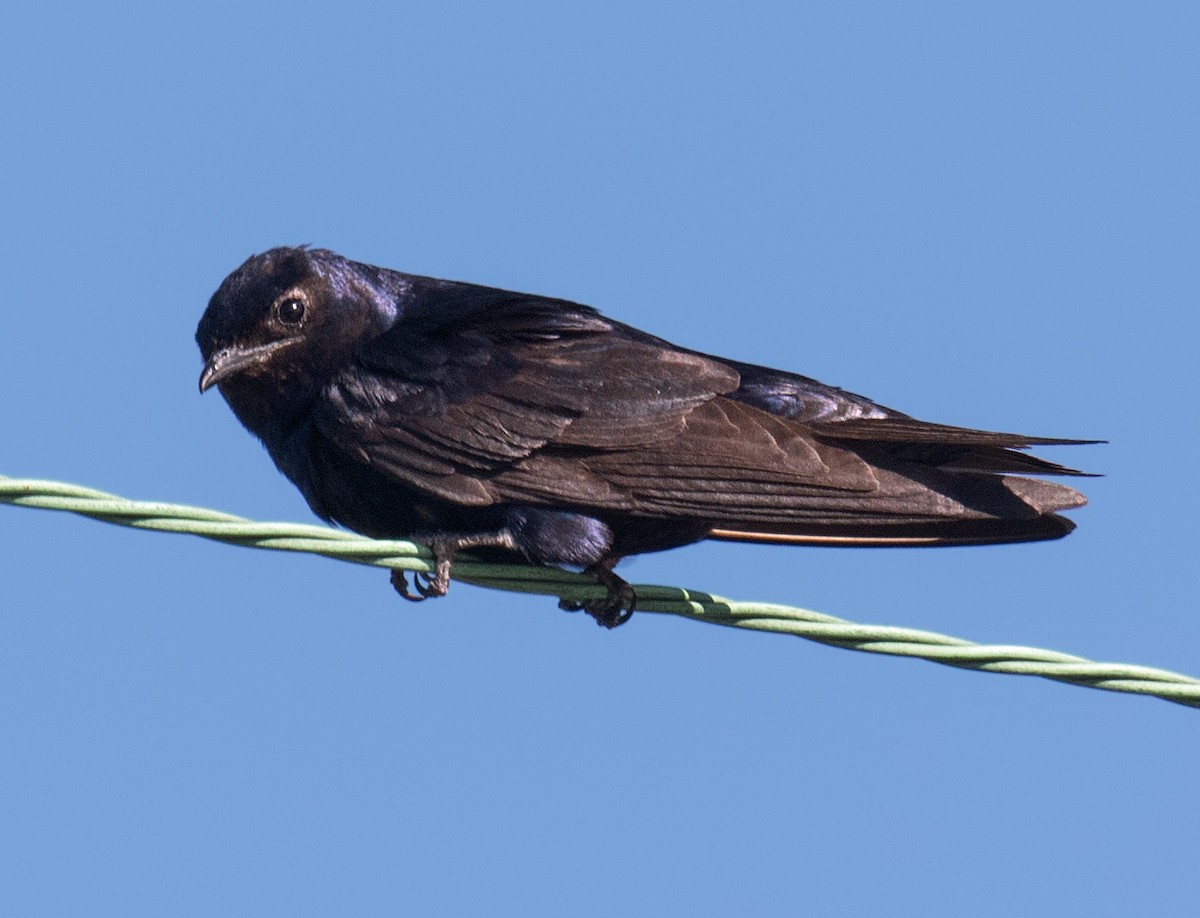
point(400, 555)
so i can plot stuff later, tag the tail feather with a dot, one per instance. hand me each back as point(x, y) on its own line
point(961, 532)
point(1016, 510)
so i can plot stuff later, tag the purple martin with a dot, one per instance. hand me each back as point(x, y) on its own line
point(530, 428)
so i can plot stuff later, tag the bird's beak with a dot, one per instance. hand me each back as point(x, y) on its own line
point(235, 359)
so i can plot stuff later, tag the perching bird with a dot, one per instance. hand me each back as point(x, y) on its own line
point(466, 417)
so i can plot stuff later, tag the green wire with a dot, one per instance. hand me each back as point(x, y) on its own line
point(813, 626)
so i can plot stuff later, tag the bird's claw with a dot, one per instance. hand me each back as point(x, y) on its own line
point(616, 608)
point(426, 584)
point(400, 585)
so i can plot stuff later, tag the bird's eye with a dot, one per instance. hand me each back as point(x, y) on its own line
point(290, 311)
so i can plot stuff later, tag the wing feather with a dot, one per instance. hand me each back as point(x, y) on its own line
point(514, 399)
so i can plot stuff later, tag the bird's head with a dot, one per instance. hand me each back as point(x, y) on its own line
point(281, 325)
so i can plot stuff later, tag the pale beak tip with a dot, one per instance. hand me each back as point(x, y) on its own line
point(207, 378)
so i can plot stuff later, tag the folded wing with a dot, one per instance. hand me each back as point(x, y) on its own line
point(512, 399)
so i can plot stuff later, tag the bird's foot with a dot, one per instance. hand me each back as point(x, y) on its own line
point(426, 584)
point(444, 548)
point(616, 608)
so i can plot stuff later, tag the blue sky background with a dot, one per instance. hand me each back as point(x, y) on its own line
point(980, 214)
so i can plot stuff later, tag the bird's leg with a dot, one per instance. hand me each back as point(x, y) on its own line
point(614, 609)
point(444, 547)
